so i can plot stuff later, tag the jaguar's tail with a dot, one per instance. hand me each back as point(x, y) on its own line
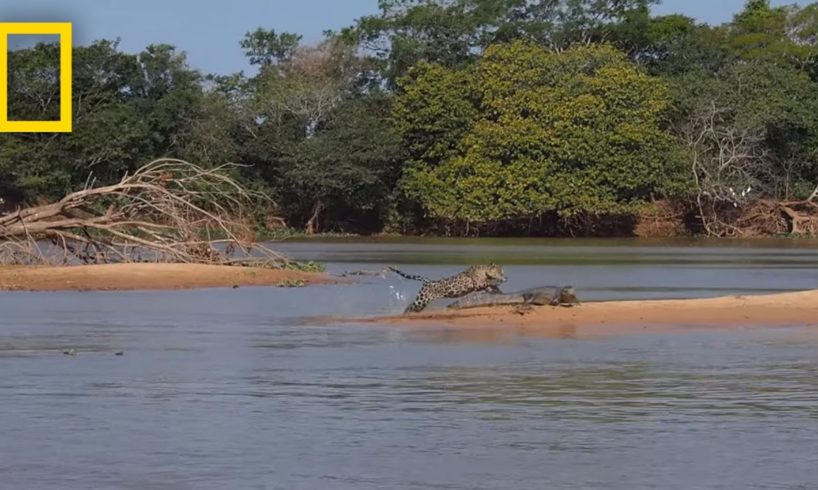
point(412, 277)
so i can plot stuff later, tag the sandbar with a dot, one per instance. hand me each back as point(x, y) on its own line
point(131, 276)
point(632, 316)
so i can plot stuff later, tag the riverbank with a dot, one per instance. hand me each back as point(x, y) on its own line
point(120, 277)
point(607, 317)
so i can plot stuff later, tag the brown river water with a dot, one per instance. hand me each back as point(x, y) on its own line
point(229, 388)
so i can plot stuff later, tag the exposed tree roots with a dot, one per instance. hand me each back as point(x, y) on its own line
point(765, 217)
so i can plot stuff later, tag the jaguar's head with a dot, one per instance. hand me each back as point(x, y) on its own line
point(488, 273)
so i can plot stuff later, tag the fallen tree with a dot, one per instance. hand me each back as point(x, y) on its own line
point(742, 187)
point(765, 217)
point(167, 211)
point(770, 217)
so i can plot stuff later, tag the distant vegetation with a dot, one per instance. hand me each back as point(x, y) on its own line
point(504, 117)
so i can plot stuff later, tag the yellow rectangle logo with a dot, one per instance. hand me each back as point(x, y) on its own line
point(62, 29)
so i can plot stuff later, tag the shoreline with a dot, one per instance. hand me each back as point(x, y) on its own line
point(150, 276)
point(631, 316)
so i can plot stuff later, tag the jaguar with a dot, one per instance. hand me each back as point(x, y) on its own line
point(483, 277)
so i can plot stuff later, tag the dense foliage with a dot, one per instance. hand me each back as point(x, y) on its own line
point(452, 114)
point(577, 132)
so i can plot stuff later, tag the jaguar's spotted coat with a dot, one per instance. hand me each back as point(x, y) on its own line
point(475, 278)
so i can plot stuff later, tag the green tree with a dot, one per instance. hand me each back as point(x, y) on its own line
point(107, 131)
point(34, 83)
point(757, 125)
point(265, 47)
point(561, 23)
point(346, 172)
point(406, 32)
point(454, 33)
point(675, 44)
point(576, 133)
point(128, 109)
point(317, 137)
point(434, 111)
point(779, 35)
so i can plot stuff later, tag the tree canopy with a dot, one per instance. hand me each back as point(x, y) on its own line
point(430, 113)
point(576, 132)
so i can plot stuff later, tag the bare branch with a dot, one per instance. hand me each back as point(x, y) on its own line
point(726, 163)
point(167, 211)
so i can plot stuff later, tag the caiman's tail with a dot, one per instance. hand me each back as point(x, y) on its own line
point(412, 277)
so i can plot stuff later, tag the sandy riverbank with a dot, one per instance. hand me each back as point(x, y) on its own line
point(597, 318)
point(113, 277)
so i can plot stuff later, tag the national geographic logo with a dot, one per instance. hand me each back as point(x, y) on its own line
point(61, 29)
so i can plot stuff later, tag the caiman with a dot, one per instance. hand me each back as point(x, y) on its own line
point(546, 295)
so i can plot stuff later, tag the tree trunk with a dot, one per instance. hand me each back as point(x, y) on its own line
point(312, 223)
point(155, 213)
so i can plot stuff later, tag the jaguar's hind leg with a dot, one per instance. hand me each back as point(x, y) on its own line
point(415, 306)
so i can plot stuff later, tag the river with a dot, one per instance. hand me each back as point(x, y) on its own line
point(231, 388)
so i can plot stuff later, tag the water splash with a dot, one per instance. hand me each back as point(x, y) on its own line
point(396, 294)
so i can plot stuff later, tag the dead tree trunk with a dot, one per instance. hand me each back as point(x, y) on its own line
point(167, 211)
point(312, 223)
